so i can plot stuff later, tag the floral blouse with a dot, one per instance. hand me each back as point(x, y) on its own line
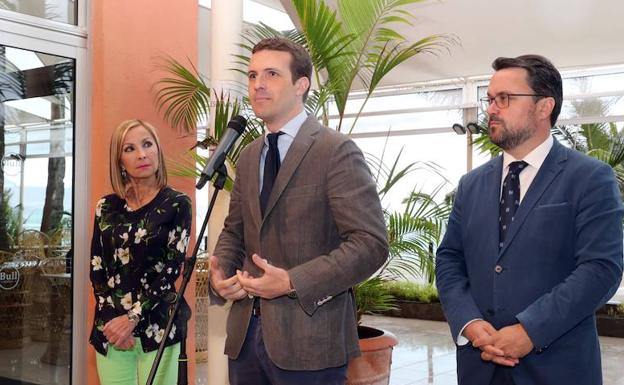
point(136, 257)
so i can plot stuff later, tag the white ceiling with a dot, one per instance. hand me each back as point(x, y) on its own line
point(572, 33)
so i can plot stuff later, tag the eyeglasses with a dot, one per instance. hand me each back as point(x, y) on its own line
point(502, 100)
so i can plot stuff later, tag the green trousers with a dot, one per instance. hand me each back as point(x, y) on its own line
point(132, 367)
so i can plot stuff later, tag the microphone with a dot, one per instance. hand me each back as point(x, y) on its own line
point(235, 128)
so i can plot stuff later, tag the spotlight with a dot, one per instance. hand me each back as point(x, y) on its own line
point(473, 128)
point(459, 129)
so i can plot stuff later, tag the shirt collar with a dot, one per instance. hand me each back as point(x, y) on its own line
point(291, 128)
point(534, 158)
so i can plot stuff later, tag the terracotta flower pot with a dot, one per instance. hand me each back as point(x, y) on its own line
point(373, 366)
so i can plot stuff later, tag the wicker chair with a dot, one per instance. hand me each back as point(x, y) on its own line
point(61, 238)
point(33, 244)
point(202, 271)
point(43, 295)
point(58, 319)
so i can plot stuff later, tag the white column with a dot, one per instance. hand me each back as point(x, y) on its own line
point(226, 24)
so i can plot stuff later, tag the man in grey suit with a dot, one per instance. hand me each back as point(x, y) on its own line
point(533, 245)
point(305, 225)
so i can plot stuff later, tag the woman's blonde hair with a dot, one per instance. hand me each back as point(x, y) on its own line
point(119, 183)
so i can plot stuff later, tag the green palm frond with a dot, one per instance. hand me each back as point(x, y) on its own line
point(183, 97)
point(189, 166)
point(411, 234)
point(225, 109)
point(387, 177)
point(616, 151)
point(317, 102)
point(372, 297)
point(323, 34)
point(377, 48)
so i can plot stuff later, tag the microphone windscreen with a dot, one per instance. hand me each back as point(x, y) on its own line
point(238, 123)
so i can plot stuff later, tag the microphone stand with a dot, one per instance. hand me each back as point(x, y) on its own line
point(189, 266)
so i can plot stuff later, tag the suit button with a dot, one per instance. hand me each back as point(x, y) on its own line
point(490, 312)
point(498, 269)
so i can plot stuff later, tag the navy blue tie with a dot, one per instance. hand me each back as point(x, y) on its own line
point(271, 167)
point(510, 198)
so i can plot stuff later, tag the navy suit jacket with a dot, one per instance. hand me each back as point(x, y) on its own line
point(561, 261)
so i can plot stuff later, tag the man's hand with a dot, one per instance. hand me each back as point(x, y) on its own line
point(274, 282)
point(512, 340)
point(229, 288)
point(478, 332)
point(118, 330)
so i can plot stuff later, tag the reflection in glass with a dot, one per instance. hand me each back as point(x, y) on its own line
point(36, 126)
point(63, 11)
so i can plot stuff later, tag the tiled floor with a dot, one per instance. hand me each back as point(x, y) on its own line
point(26, 365)
point(426, 354)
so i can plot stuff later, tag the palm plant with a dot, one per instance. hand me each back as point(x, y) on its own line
point(411, 234)
point(354, 47)
point(599, 140)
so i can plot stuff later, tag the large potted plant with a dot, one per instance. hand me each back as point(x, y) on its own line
point(352, 48)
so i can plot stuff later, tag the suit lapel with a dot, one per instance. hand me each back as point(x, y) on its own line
point(254, 180)
point(299, 147)
point(551, 167)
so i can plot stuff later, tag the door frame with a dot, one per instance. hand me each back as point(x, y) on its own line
point(50, 37)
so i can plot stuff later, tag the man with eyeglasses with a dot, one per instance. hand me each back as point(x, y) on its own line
point(533, 245)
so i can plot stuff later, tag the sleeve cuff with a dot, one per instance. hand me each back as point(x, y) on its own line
point(461, 340)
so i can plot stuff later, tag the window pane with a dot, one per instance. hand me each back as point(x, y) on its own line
point(63, 11)
point(445, 152)
point(36, 131)
point(592, 84)
point(398, 122)
point(592, 107)
point(431, 99)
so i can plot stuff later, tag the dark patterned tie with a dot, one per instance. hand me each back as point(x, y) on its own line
point(271, 167)
point(510, 199)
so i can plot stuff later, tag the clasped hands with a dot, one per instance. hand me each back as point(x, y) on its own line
point(504, 347)
point(273, 283)
point(118, 332)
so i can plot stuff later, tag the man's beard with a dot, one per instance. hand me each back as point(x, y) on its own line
point(507, 139)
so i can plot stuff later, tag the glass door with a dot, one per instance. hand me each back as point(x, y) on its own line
point(36, 216)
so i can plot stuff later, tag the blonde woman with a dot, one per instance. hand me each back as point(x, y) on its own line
point(139, 242)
